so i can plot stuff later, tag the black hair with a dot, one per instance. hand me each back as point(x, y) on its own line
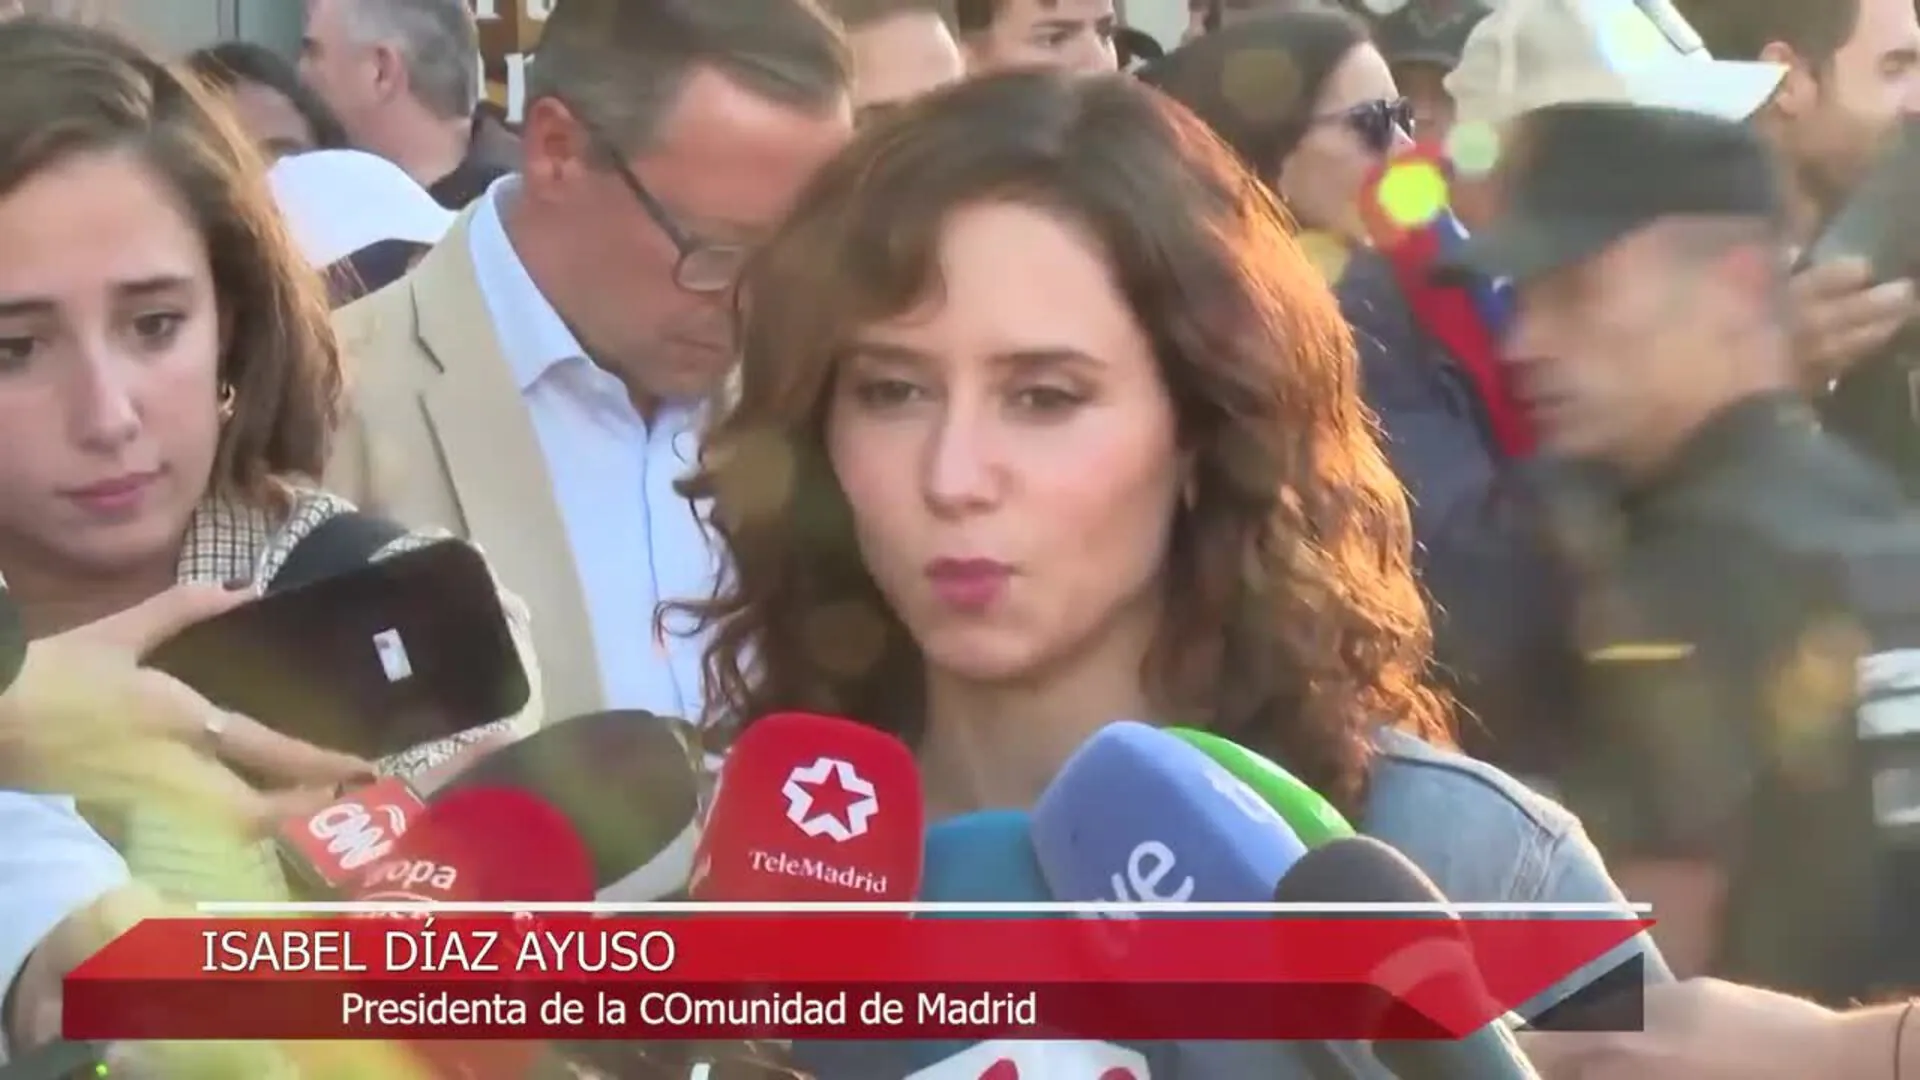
point(230, 63)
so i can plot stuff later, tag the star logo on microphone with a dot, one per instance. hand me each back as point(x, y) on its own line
point(829, 799)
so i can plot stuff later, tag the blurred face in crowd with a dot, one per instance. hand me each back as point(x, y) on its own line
point(1621, 356)
point(1424, 87)
point(1353, 127)
point(900, 57)
point(639, 284)
point(1836, 113)
point(1232, 11)
point(275, 125)
point(1076, 35)
point(345, 73)
point(1008, 451)
point(110, 339)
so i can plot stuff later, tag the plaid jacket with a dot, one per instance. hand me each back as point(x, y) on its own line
point(229, 541)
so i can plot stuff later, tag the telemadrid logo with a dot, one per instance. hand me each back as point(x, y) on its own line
point(859, 809)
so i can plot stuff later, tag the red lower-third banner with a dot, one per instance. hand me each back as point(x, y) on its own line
point(824, 977)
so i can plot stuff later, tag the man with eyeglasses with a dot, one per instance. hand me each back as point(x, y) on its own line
point(536, 383)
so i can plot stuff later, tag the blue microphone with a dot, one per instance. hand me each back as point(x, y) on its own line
point(984, 857)
point(1138, 814)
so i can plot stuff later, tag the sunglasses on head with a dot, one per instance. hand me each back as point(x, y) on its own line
point(1379, 122)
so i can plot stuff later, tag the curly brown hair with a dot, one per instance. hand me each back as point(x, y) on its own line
point(1293, 624)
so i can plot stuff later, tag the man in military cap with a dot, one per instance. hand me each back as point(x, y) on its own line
point(1651, 346)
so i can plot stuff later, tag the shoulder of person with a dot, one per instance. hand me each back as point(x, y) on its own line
point(377, 319)
point(1482, 835)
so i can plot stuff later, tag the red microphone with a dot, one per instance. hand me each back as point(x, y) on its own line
point(812, 808)
point(484, 844)
point(479, 845)
point(329, 849)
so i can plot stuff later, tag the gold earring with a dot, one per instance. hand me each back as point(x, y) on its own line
point(228, 398)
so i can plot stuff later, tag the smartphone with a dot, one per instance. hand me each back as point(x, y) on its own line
point(403, 651)
point(1881, 220)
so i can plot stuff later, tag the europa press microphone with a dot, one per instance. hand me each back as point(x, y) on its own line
point(483, 844)
point(1138, 815)
point(1363, 870)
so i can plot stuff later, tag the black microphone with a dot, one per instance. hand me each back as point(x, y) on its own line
point(627, 781)
point(1361, 869)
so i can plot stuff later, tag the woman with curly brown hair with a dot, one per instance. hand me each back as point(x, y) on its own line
point(1043, 422)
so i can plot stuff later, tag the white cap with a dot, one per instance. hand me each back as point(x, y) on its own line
point(1529, 54)
point(338, 202)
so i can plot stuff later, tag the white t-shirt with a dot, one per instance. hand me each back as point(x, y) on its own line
point(52, 864)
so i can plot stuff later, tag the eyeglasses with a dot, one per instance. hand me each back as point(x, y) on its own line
point(1377, 122)
point(702, 266)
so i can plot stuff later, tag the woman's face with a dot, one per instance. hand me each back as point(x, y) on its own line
point(1008, 450)
point(109, 349)
point(275, 125)
point(1345, 142)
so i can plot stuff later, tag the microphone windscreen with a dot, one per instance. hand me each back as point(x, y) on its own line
point(484, 845)
point(1138, 815)
point(1361, 869)
point(1309, 814)
point(982, 857)
point(812, 808)
point(627, 783)
point(1358, 869)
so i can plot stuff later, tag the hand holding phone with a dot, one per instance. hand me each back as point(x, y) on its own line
point(1840, 314)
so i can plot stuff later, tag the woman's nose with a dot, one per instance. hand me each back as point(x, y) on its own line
point(102, 402)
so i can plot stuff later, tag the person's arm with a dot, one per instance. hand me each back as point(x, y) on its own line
point(1705, 1029)
point(58, 882)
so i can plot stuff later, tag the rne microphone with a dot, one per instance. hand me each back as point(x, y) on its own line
point(1312, 818)
point(628, 784)
point(1136, 815)
point(325, 851)
point(1363, 870)
point(810, 809)
point(1140, 815)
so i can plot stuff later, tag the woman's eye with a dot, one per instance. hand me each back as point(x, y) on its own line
point(1046, 399)
point(157, 328)
point(885, 393)
point(15, 352)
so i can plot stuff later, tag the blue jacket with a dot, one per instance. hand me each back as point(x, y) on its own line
point(1500, 608)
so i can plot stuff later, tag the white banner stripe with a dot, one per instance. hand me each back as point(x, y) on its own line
point(915, 907)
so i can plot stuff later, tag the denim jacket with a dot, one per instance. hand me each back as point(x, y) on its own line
point(1483, 837)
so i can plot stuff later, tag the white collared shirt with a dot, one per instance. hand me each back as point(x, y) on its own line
point(52, 864)
point(636, 542)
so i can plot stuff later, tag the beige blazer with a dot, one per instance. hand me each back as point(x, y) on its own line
point(437, 435)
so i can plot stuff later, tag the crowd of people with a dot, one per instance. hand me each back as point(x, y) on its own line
point(1463, 403)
